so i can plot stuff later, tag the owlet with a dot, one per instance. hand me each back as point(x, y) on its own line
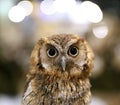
point(59, 72)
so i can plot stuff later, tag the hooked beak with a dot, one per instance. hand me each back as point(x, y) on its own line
point(63, 63)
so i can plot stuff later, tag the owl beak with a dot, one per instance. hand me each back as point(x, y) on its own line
point(63, 63)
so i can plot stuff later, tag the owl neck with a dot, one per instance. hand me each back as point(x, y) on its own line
point(66, 89)
point(62, 87)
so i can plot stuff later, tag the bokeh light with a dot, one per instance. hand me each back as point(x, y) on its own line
point(101, 31)
point(47, 7)
point(64, 6)
point(85, 12)
point(27, 5)
point(17, 14)
point(77, 15)
point(98, 101)
point(77, 12)
point(92, 11)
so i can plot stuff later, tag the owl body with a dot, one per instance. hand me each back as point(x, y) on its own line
point(59, 72)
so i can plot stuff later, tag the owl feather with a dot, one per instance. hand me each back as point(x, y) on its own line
point(59, 72)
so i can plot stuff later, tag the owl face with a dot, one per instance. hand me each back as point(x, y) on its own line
point(68, 54)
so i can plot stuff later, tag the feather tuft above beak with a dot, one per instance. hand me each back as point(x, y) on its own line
point(63, 63)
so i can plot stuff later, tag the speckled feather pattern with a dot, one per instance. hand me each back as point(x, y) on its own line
point(54, 86)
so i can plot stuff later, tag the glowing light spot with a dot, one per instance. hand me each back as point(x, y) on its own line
point(77, 15)
point(17, 14)
point(64, 6)
point(98, 101)
point(85, 12)
point(100, 32)
point(47, 7)
point(92, 10)
point(27, 5)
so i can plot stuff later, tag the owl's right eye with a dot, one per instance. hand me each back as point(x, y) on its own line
point(52, 52)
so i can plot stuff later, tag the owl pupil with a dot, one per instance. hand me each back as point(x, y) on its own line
point(73, 51)
point(51, 52)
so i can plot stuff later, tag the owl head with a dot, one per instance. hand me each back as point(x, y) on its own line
point(63, 55)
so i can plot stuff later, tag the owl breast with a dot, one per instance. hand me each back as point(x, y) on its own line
point(56, 91)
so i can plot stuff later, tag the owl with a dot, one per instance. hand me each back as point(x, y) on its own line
point(59, 72)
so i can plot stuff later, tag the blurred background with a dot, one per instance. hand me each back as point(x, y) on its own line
point(22, 23)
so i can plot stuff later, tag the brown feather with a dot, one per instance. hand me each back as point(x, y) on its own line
point(48, 84)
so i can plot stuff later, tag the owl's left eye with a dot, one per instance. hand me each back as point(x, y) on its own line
point(73, 51)
point(52, 52)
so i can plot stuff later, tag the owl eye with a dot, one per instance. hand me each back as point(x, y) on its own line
point(52, 52)
point(73, 51)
